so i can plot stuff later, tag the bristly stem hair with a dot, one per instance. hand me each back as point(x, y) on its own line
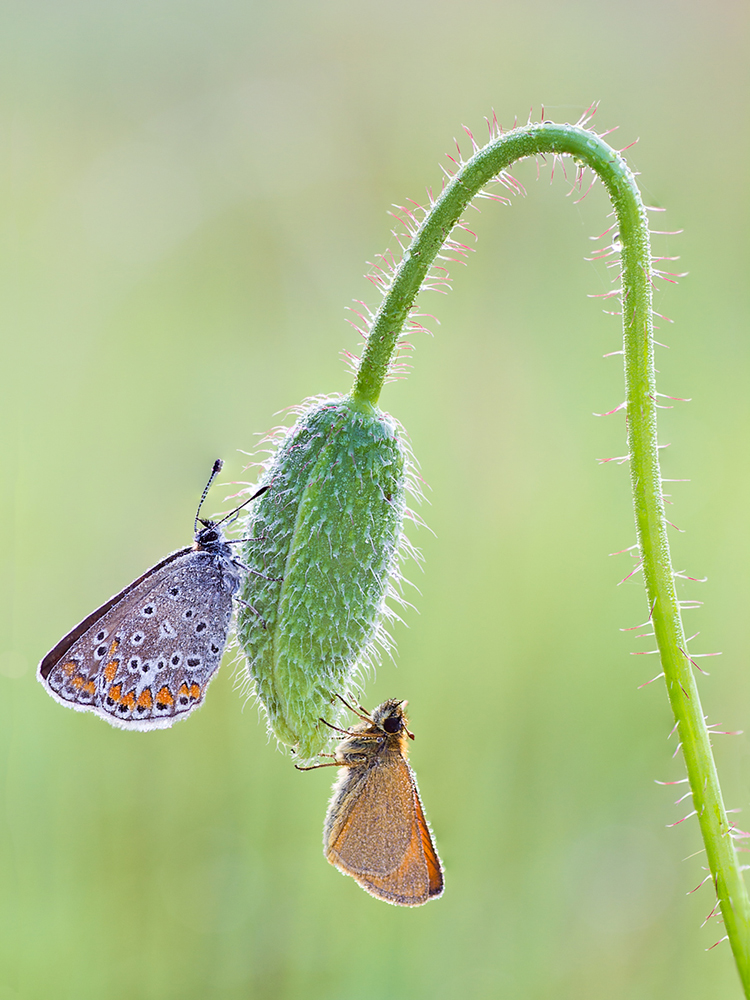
point(416, 270)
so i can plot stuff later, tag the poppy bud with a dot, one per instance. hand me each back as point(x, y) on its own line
point(322, 545)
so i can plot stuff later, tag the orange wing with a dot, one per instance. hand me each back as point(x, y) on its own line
point(382, 838)
point(370, 820)
point(434, 867)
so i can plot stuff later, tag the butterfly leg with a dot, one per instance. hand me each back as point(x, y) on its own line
point(348, 732)
point(365, 717)
point(338, 763)
point(338, 729)
point(255, 572)
point(255, 611)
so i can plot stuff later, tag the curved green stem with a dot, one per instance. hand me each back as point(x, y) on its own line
point(640, 381)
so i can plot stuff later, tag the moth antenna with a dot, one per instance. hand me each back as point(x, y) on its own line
point(218, 466)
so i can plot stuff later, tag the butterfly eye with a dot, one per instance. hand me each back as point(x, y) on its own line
point(392, 724)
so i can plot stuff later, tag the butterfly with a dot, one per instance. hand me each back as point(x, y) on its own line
point(375, 828)
point(144, 659)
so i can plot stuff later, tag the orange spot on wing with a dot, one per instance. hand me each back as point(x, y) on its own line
point(110, 670)
point(145, 698)
point(113, 647)
point(195, 691)
point(89, 688)
point(69, 667)
point(115, 691)
point(164, 697)
point(128, 699)
point(77, 681)
point(183, 692)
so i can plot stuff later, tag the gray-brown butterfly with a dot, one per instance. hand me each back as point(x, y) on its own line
point(144, 659)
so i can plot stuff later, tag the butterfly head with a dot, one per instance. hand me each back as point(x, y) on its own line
point(391, 717)
point(209, 538)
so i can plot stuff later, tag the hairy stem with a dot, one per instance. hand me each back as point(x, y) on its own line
point(637, 276)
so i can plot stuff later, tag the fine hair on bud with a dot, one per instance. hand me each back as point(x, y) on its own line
point(323, 548)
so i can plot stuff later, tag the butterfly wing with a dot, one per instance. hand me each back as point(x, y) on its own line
point(144, 659)
point(434, 865)
point(58, 651)
point(376, 832)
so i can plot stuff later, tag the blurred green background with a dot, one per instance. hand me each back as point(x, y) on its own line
point(191, 191)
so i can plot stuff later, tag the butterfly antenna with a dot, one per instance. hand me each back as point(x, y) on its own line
point(218, 466)
point(249, 500)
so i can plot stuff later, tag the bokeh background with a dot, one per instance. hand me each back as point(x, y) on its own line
point(191, 192)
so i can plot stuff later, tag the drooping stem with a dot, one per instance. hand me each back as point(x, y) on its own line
point(641, 398)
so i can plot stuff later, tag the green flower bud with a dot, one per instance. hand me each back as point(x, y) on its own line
point(323, 544)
